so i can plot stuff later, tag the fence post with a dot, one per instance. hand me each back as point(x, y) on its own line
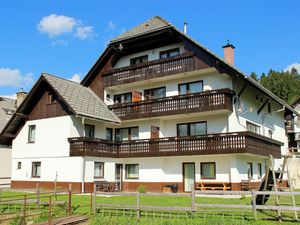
point(38, 194)
point(95, 199)
point(70, 199)
point(138, 205)
point(49, 211)
point(24, 209)
point(193, 200)
point(254, 204)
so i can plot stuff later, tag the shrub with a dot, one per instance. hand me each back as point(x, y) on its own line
point(142, 189)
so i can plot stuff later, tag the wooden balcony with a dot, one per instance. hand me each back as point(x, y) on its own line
point(199, 102)
point(223, 143)
point(153, 69)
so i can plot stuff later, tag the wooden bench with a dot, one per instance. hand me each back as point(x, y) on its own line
point(204, 186)
point(246, 185)
point(104, 186)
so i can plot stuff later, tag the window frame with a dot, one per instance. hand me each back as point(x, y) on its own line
point(150, 94)
point(32, 169)
point(117, 131)
point(253, 125)
point(140, 58)
point(102, 174)
point(215, 171)
point(187, 84)
point(168, 52)
point(259, 170)
point(251, 170)
point(31, 139)
point(91, 126)
point(111, 132)
point(51, 98)
point(122, 94)
point(189, 128)
point(126, 172)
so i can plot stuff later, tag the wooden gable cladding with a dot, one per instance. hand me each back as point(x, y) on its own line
point(43, 109)
point(97, 84)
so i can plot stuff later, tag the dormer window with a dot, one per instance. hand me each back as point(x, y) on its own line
point(169, 53)
point(138, 60)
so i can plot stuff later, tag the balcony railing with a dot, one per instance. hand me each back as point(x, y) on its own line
point(224, 143)
point(157, 68)
point(199, 102)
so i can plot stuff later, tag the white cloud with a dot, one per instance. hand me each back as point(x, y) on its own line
point(59, 42)
point(55, 25)
point(111, 25)
point(14, 78)
point(295, 65)
point(12, 96)
point(76, 78)
point(84, 32)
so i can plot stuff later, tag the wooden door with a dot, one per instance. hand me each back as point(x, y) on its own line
point(136, 96)
point(154, 132)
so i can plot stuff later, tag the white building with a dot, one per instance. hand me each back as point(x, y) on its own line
point(157, 108)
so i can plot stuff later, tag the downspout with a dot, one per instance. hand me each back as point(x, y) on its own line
point(264, 116)
point(83, 161)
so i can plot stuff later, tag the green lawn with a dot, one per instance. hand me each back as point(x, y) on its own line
point(81, 205)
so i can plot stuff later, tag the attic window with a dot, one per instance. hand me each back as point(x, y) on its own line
point(9, 111)
point(51, 98)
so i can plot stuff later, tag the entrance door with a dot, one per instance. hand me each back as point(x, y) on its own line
point(118, 177)
point(188, 176)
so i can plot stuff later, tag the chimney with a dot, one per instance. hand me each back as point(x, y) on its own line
point(185, 27)
point(21, 95)
point(229, 53)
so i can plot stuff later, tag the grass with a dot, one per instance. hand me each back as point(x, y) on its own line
point(81, 205)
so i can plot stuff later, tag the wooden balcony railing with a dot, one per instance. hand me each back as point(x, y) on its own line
point(224, 143)
point(198, 102)
point(157, 68)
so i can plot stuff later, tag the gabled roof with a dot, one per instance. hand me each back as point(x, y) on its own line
point(154, 24)
point(7, 109)
point(157, 23)
point(81, 100)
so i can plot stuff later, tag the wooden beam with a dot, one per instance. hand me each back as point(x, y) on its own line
point(9, 135)
point(262, 106)
point(240, 92)
point(22, 115)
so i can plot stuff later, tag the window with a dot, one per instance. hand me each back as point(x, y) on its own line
point(98, 169)
point(36, 169)
point(132, 171)
point(89, 130)
point(190, 88)
point(123, 98)
point(252, 127)
point(208, 170)
point(31, 134)
point(51, 98)
point(138, 60)
point(169, 53)
point(259, 170)
point(191, 129)
point(155, 93)
point(108, 97)
point(109, 134)
point(19, 165)
point(127, 134)
point(250, 170)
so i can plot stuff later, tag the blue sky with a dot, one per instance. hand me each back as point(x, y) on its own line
point(65, 37)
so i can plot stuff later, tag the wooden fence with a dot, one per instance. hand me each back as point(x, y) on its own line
point(196, 207)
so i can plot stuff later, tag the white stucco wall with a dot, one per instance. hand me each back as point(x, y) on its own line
point(5, 165)
point(153, 54)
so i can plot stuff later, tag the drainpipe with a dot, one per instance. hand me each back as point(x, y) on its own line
point(83, 162)
point(264, 116)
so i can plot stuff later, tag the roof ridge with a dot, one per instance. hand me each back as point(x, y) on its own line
point(61, 78)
